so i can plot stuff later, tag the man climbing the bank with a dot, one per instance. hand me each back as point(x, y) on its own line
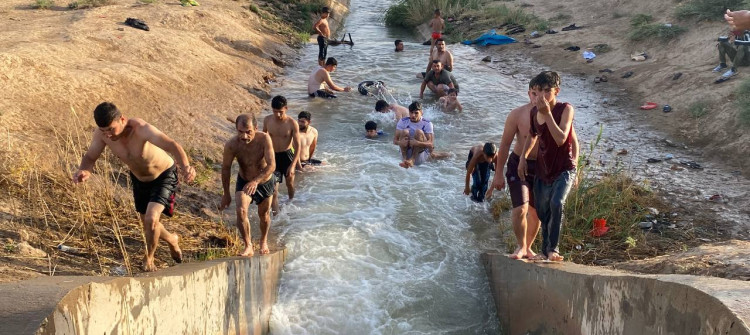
point(284, 133)
point(478, 167)
point(324, 34)
point(735, 47)
point(322, 75)
point(438, 80)
point(153, 173)
point(551, 124)
point(255, 179)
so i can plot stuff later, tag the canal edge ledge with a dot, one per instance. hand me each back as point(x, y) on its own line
point(567, 298)
point(227, 296)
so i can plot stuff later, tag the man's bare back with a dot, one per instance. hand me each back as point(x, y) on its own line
point(282, 132)
point(306, 141)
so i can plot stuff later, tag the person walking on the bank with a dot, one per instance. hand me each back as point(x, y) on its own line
point(552, 124)
point(324, 34)
point(153, 173)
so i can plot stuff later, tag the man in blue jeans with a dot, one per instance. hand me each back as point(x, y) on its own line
point(552, 126)
point(478, 167)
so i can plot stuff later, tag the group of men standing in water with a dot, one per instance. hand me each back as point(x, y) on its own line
point(541, 169)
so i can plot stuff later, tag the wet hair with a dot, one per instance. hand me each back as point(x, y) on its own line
point(396, 42)
point(439, 40)
point(380, 105)
point(437, 11)
point(545, 80)
point(304, 115)
point(489, 149)
point(415, 106)
point(371, 125)
point(278, 102)
point(332, 61)
point(452, 90)
point(105, 113)
point(325, 10)
point(246, 120)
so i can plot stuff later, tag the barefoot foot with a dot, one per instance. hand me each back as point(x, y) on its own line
point(519, 254)
point(148, 265)
point(264, 248)
point(404, 165)
point(174, 248)
point(538, 257)
point(529, 253)
point(248, 252)
point(555, 257)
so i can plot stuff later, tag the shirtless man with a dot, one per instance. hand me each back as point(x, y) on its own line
point(437, 24)
point(324, 34)
point(399, 111)
point(438, 80)
point(399, 45)
point(308, 141)
point(255, 180)
point(153, 173)
point(449, 103)
point(523, 215)
point(322, 75)
point(284, 133)
point(478, 167)
point(442, 54)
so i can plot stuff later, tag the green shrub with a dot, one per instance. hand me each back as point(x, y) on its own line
point(712, 10)
point(44, 4)
point(83, 4)
point(411, 13)
point(699, 108)
point(743, 102)
point(642, 28)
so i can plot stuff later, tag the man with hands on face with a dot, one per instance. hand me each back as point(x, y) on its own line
point(255, 179)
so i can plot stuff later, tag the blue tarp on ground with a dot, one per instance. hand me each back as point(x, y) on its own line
point(491, 38)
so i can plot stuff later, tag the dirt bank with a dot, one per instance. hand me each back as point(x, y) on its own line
point(196, 67)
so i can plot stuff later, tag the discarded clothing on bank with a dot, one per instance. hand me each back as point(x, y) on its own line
point(491, 38)
point(588, 55)
point(137, 23)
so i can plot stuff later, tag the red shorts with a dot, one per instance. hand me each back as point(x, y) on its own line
point(436, 35)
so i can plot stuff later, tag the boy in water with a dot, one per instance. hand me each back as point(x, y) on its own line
point(400, 112)
point(324, 34)
point(551, 124)
point(450, 103)
point(308, 141)
point(478, 167)
point(399, 45)
point(371, 130)
point(437, 24)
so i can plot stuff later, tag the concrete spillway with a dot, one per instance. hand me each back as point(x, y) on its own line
point(227, 296)
point(574, 299)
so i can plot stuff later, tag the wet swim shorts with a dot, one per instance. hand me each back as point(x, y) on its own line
point(160, 190)
point(436, 35)
point(520, 191)
point(284, 160)
point(420, 158)
point(312, 162)
point(262, 192)
point(322, 94)
point(323, 48)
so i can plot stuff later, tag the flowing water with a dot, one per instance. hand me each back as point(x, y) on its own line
point(377, 249)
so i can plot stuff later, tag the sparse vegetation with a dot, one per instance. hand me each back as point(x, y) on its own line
point(743, 102)
point(699, 108)
point(712, 10)
point(642, 28)
point(411, 13)
point(44, 4)
point(602, 48)
point(83, 4)
point(561, 17)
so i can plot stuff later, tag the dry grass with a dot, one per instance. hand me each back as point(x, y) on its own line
point(97, 218)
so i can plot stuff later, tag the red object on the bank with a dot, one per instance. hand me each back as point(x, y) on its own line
point(649, 105)
point(600, 228)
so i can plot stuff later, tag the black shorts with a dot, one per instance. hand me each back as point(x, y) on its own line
point(521, 192)
point(160, 190)
point(311, 161)
point(262, 192)
point(322, 47)
point(322, 94)
point(284, 160)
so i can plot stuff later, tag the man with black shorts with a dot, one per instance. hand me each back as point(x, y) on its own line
point(255, 180)
point(284, 132)
point(146, 151)
point(324, 34)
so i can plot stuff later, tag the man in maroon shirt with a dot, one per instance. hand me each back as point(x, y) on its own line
point(552, 125)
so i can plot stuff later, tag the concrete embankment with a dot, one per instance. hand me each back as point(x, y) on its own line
point(227, 296)
point(538, 298)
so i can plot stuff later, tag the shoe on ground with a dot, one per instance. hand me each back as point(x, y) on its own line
point(729, 73)
point(193, 3)
point(719, 67)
